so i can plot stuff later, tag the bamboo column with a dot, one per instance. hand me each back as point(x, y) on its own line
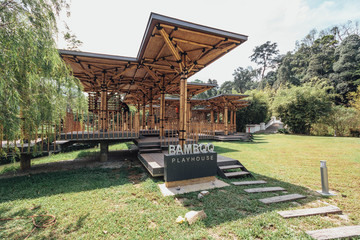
point(143, 112)
point(235, 121)
point(231, 121)
point(162, 108)
point(212, 120)
point(151, 111)
point(188, 115)
point(182, 110)
point(226, 119)
point(103, 106)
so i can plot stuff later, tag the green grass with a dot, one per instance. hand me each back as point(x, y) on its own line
point(126, 203)
point(62, 157)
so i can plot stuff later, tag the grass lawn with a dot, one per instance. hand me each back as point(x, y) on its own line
point(126, 203)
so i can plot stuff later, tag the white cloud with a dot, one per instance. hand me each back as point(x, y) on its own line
point(116, 27)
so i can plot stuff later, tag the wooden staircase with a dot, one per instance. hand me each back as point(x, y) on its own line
point(232, 169)
point(149, 147)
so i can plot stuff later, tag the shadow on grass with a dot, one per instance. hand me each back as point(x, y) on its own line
point(233, 203)
point(48, 184)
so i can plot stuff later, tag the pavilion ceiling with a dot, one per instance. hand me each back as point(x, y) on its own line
point(169, 47)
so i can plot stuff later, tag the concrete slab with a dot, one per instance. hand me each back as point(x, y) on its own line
point(333, 233)
point(191, 188)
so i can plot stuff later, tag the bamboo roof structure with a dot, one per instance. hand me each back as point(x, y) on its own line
point(168, 47)
point(234, 101)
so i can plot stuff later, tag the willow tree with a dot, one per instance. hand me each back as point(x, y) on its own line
point(35, 84)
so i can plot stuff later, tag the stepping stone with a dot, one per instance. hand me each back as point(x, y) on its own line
point(236, 174)
point(244, 183)
point(283, 198)
point(338, 232)
point(265, 189)
point(310, 212)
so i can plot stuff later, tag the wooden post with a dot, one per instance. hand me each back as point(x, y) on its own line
point(225, 117)
point(231, 121)
point(188, 114)
point(103, 106)
point(151, 111)
point(212, 120)
point(182, 110)
point(162, 108)
point(235, 121)
point(143, 112)
point(25, 161)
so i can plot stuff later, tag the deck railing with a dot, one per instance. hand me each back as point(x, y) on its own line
point(119, 126)
point(72, 127)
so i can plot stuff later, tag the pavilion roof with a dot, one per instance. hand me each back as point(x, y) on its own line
point(234, 101)
point(169, 45)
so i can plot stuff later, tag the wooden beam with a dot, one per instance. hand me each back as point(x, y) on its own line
point(152, 74)
point(188, 41)
point(123, 72)
point(171, 46)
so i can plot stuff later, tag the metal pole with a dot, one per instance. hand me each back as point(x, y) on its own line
point(324, 178)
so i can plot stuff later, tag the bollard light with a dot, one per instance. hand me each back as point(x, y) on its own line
point(324, 180)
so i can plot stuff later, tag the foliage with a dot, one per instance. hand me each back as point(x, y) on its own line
point(258, 111)
point(209, 93)
point(244, 79)
point(283, 130)
point(355, 98)
point(338, 123)
point(227, 87)
point(35, 84)
point(265, 55)
point(346, 75)
point(300, 107)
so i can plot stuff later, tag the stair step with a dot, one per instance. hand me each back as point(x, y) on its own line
point(283, 198)
point(244, 183)
point(230, 167)
point(310, 212)
point(150, 150)
point(236, 174)
point(142, 146)
point(338, 232)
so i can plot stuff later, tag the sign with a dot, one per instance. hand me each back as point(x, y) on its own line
point(194, 161)
point(191, 148)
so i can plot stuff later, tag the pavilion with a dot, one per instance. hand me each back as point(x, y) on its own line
point(171, 51)
point(149, 95)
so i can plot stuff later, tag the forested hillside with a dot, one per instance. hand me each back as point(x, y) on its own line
point(314, 89)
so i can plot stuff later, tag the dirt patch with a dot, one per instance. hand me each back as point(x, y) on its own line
point(91, 162)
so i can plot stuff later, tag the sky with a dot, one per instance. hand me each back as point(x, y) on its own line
point(116, 27)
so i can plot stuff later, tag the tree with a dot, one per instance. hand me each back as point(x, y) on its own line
point(258, 111)
point(244, 79)
point(342, 119)
point(354, 98)
point(265, 55)
point(209, 93)
point(300, 107)
point(35, 84)
point(226, 87)
point(346, 76)
point(321, 60)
